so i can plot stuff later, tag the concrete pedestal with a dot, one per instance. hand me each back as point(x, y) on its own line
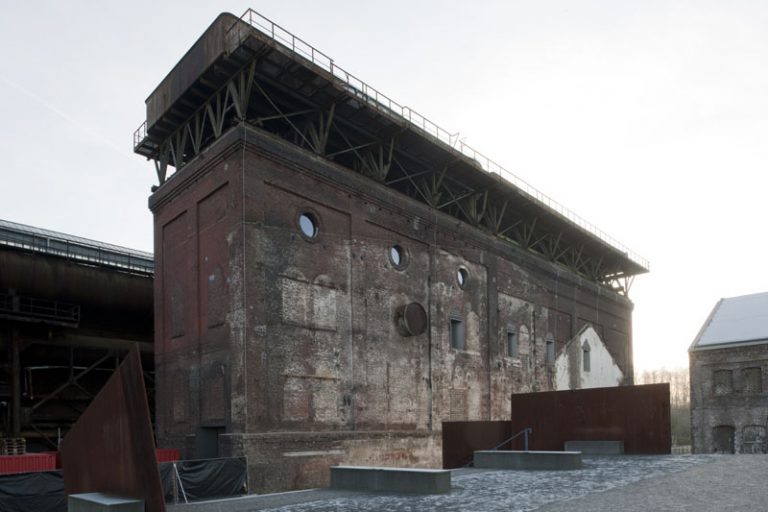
point(596, 447)
point(100, 502)
point(364, 478)
point(522, 460)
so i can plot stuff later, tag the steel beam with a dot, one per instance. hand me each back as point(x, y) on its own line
point(15, 383)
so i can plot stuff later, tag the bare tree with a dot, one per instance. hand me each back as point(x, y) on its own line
point(679, 387)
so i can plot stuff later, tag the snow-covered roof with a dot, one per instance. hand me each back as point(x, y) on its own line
point(735, 321)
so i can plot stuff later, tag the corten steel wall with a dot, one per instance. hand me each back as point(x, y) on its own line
point(637, 415)
point(742, 406)
point(291, 346)
point(462, 438)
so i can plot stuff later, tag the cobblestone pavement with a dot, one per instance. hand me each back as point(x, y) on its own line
point(731, 483)
point(700, 483)
point(517, 491)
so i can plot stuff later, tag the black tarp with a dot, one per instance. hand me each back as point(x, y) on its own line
point(204, 479)
point(33, 492)
point(201, 479)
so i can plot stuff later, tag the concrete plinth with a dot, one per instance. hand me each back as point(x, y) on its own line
point(100, 502)
point(365, 478)
point(596, 447)
point(507, 459)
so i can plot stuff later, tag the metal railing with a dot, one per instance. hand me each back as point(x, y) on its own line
point(76, 249)
point(139, 135)
point(525, 432)
point(386, 105)
point(39, 308)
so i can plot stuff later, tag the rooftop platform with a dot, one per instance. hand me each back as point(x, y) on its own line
point(251, 70)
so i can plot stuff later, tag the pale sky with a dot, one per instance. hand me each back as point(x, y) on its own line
point(649, 119)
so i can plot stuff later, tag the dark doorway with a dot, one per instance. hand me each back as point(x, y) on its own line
point(207, 442)
point(722, 439)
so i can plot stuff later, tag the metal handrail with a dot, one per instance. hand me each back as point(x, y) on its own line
point(40, 308)
point(384, 104)
point(139, 135)
point(526, 431)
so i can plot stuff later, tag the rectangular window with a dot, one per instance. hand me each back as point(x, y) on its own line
point(587, 363)
point(753, 380)
point(550, 351)
point(456, 334)
point(723, 382)
point(512, 348)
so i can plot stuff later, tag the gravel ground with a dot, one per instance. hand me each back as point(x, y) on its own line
point(730, 483)
point(676, 483)
point(517, 491)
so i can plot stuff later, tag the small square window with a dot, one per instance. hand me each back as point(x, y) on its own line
point(457, 334)
point(512, 346)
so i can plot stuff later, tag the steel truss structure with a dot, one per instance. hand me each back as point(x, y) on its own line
point(274, 81)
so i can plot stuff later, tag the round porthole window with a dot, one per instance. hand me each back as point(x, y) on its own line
point(398, 257)
point(308, 225)
point(462, 276)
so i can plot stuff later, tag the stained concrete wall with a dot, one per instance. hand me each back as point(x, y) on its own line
point(729, 403)
point(570, 371)
point(289, 348)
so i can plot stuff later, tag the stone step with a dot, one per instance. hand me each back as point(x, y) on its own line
point(596, 447)
point(527, 460)
point(409, 480)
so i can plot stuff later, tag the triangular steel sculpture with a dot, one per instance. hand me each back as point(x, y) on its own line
point(111, 448)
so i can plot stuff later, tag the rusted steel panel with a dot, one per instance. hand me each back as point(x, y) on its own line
point(111, 447)
point(637, 415)
point(462, 438)
point(209, 47)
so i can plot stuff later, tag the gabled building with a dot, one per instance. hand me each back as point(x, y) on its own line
point(728, 361)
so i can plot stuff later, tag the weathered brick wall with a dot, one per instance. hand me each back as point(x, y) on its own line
point(729, 403)
point(262, 331)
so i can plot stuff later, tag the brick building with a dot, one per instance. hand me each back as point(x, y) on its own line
point(728, 361)
point(336, 275)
